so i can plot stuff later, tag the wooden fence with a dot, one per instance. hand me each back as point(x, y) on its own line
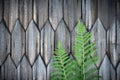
point(30, 30)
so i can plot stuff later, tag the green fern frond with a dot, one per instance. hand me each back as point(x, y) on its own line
point(84, 52)
point(65, 68)
point(62, 65)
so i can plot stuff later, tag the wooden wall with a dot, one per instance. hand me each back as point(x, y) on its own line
point(31, 29)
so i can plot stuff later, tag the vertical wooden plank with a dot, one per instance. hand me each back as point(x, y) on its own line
point(118, 31)
point(18, 42)
point(62, 35)
point(106, 11)
point(24, 71)
point(118, 72)
point(49, 70)
point(106, 70)
point(4, 43)
point(1, 9)
point(91, 12)
point(118, 9)
point(40, 12)
point(118, 51)
point(39, 70)
point(72, 12)
point(8, 70)
point(83, 11)
point(25, 12)
point(55, 12)
point(99, 37)
point(47, 42)
point(10, 12)
point(32, 42)
point(111, 43)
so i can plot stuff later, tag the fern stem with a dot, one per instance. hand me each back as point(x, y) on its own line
point(63, 68)
point(83, 55)
point(83, 66)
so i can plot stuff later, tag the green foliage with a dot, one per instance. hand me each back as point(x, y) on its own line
point(62, 65)
point(79, 68)
point(84, 53)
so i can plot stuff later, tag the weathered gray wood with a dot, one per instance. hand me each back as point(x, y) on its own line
point(118, 39)
point(32, 42)
point(72, 12)
point(62, 35)
point(111, 43)
point(118, 51)
point(40, 12)
point(25, 12)
point(106, 12)
point(55, 12)
point(118, 72)
point(4, 43)
point(8, 70)
point(99, 37)
point(118, 31)
point(1, 9)
point(118, 9)
point(18, 42)
point(47, 42)
point(106, 70)
point(39, 70)
point(10, 12)
point(83, 15)
point(91, 12)
point(24, 71)
point(49, 70)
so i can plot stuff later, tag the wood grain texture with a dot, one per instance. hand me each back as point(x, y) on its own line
point(8, 70)
point(55, 12)
point(91, 12)
point(40, 12)
point(99, 37)
point(10, 13)
point(49, 69)
point(111, 44)
point(1, 9)
point(106, 12)
point(62, 36)
point(47, 42)
point(25, 12)
point(118, 39)
point(118, 9)
point(118, 72)
point(18, 42)
point(106, 70)
point(31, 29)
point(39, 70)
point(24, 71)
point(118, 30)
point(72, 12)
point(4, 42)
point(83, 15)
point(118, 51)
point(32, 42)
